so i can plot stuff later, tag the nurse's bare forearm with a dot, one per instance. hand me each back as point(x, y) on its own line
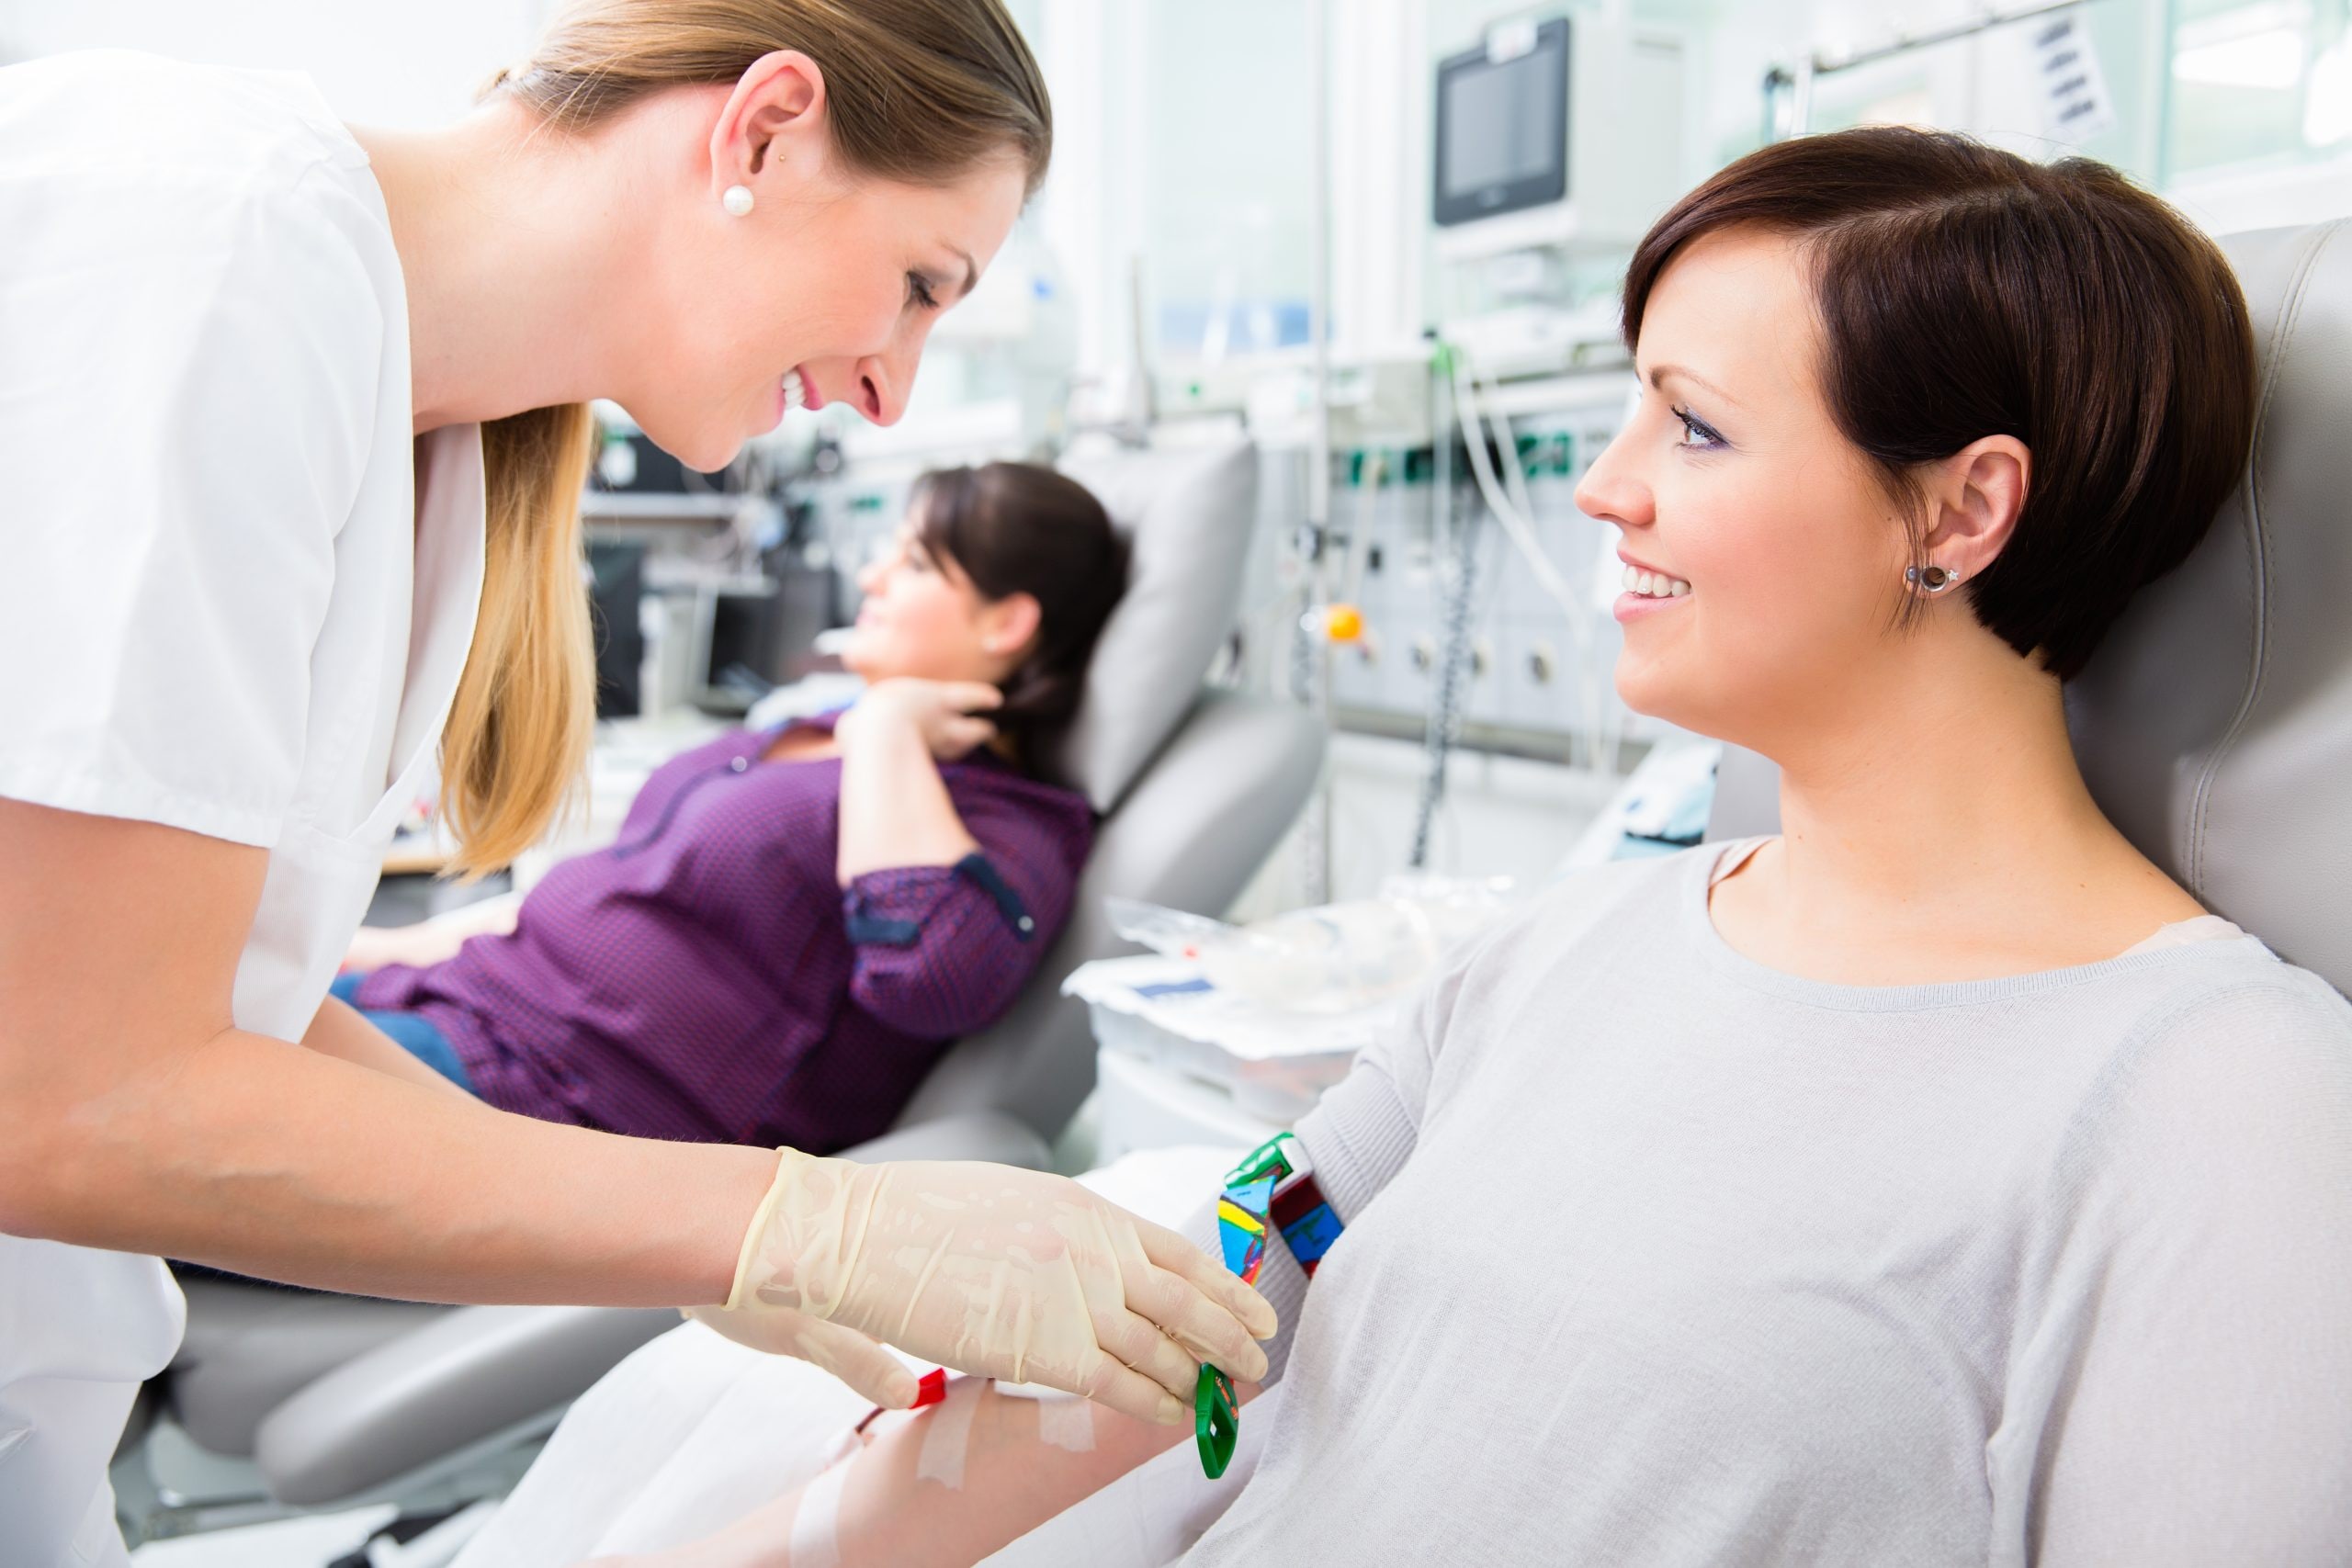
point(138, 1117)
point(270, 1159)
point(895, 808)
point(340, 1031)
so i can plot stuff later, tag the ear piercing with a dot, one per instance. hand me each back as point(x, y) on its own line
point(1931, 581)
point(737, 200)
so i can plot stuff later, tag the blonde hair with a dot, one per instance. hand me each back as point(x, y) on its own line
point(917, 90)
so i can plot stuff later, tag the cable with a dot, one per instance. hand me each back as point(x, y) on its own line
point(1513, 511)
point(1445, 702)
point(1374, 474)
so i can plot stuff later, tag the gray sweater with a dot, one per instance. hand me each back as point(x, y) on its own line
point(1657, 1256)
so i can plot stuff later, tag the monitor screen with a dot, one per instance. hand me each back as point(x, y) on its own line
point(1502, 142)
point(1502, 123)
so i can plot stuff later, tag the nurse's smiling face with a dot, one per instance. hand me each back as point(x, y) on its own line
point(1732, 477)
point(834, 275)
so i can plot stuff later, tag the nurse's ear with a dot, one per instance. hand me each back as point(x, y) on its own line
point(771, 133)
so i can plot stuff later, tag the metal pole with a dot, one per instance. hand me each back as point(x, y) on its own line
point(1315, 835)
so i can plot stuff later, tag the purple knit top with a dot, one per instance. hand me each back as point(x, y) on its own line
point(708, 978)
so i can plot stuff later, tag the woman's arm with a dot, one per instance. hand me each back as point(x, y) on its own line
point(434, 940)
point(140, 1118)
point(948, 914)
point(895, 810)
point(339, 1031)
point(939, 1488)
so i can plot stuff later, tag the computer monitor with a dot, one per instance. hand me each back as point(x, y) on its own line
point(1561, 134)
point(1502, 125)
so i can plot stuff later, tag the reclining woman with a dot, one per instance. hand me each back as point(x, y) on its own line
point(793, 923)
point(1935, 1182)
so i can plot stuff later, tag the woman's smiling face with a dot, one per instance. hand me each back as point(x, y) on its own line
point(1732, 478)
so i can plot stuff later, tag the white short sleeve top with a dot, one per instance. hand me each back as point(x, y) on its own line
point(236, 593)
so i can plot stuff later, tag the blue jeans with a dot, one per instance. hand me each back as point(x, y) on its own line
point(412, 1032)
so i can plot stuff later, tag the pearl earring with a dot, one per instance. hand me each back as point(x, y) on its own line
point(1931, 581)
point(737, 200)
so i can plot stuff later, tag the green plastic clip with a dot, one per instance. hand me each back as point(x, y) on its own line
point(1216, 1420)
point(1217, 1414)
point(1269, 1159)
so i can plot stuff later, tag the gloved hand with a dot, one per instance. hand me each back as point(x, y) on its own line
point(850, 1355)
point(997, 1271)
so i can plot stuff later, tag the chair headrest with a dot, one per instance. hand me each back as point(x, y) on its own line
point(2215, 723)
point(1186, 513)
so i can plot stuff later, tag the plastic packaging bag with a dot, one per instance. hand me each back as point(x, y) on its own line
point(1333, 958)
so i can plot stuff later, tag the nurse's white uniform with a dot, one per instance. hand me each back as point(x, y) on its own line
point(235, 597)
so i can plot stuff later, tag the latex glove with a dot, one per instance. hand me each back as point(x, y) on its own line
point(850, 1355)
point(1001, 1272)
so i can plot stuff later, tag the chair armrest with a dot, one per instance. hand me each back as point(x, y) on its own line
point(464, 1377)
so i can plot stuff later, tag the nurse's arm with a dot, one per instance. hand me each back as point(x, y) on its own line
point(140, 1118)
point(340, 1031)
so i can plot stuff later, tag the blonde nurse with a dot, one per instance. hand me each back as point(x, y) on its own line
point(292, 436)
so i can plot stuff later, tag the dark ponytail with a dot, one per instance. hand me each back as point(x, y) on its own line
point(1018, 528)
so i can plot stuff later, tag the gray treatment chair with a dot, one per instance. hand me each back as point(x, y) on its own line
point(337, 1398)
point(2214, 725)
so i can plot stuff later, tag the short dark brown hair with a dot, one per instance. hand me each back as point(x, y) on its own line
point(1965, 292)
point(1019, 528)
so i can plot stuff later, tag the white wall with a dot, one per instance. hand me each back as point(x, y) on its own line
point(404, 64)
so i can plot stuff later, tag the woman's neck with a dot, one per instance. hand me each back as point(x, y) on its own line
point(1952, 815)
point(511, 239)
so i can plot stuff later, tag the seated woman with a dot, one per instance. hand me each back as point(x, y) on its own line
point(793, 923)
point(1935, 1182)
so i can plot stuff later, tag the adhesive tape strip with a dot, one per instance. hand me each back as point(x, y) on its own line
point(816, 1540)
point(1067, 1423)
point(948, 1430)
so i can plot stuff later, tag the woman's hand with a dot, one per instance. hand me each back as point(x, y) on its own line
point(1004, 1272)
point(430, 942)
point(941, 712)
point(373, 947)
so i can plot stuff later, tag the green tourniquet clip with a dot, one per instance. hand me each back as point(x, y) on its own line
point(1269, 1159)
point(1242, 1228)
point(1216, 1421)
